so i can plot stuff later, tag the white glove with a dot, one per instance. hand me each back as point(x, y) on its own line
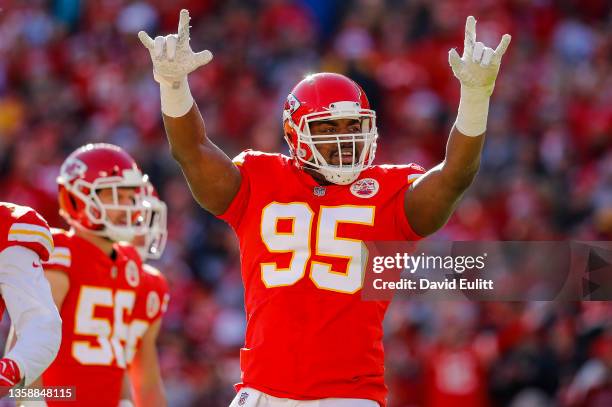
point(173, 59)
point(477, 70)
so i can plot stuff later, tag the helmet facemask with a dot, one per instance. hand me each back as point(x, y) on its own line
point(152, 242)
point(137, 214)
point(307, 152)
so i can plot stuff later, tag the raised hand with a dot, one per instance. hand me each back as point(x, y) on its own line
point(479, 65)
point(172, 56)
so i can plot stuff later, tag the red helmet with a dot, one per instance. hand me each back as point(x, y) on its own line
point(152, 243)
point(90, 169)
point(329, 96)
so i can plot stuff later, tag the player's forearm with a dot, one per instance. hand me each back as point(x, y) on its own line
point(144, 372)
point(31, 308)
point(213, 178)
point(466, 140)
point(186, 135)
point(150, 395)
point(461, 162)
point(126, 388)
point(473, 110)
point(146, 379)
point(432, 198)
point(32, 351)
point(429, 202)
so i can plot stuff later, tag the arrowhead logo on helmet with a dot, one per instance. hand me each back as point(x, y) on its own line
point(72, 168)
point(329, 96)
point(294, 104)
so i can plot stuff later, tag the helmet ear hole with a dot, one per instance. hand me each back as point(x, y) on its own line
point(287, 130)
point(93, 212)
point(72, 202)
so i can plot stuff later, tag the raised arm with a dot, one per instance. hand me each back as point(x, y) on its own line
point(144, 371)
point(212, 177)
point(431, 200)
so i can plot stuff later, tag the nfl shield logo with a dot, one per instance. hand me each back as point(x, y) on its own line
point(243, 398)
point(319, 190)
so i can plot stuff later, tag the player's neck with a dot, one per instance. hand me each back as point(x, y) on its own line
point(320, 179)
point(100, 242)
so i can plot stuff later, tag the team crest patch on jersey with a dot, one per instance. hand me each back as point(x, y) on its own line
point(131, 274)
point(318, 191)
point(153, 304)
point(365, 188)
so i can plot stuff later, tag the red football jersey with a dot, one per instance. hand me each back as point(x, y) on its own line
point(23, 226)
point(309, 334)
point(96, 313)
point(151, 304)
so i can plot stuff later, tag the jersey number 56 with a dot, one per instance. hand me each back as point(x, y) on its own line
point(110, 338)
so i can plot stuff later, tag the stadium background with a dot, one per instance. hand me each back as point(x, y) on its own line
point(73, 72)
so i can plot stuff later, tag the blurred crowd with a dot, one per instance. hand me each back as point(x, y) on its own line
point(74, 71)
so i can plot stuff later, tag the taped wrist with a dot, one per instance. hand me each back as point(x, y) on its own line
point(176, 99)
point(473, 110)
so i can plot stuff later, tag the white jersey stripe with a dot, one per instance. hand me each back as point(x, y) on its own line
point(61, 251)
point(60, 256)
point(31, 235)
point(29, 226)
point(413, 177)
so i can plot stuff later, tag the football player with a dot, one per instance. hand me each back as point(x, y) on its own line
point(141, 351)
point(301, 220)
point(25, 241)
point(96, 281)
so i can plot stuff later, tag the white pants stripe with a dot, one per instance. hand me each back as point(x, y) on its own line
point(248, 397)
